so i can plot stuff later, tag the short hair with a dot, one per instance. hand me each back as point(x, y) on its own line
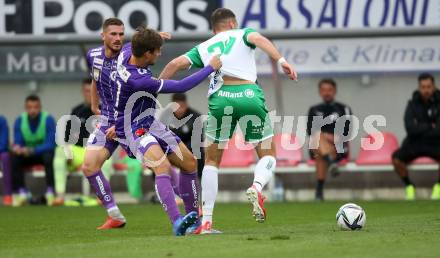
point(145, 40)
point(86, 81)
point(425, 76)
point(178, 97)
point(221, 15)
point(32, 97)
point(327, 81)
point(112, 21)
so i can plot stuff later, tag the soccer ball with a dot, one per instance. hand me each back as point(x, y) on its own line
point(351, 217)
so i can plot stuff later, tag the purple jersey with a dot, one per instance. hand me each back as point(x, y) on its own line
point(103, 71)
point(137, 91)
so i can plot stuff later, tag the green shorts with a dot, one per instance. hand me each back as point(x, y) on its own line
point(238, 104)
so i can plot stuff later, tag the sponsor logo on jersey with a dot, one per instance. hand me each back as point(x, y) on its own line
point(232, 95)
point(249, 93)
point(96, 74)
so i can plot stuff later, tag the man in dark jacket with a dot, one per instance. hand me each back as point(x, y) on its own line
point(422, 124)
point(324, 137)
point(185, 131)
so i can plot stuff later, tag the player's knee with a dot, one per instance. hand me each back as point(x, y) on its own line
point(163, 167)
point(190, 165)
point(89, 167)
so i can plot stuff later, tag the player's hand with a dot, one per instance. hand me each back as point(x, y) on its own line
point(165, 35)
point(110, 133)
point(215, 62)
point(289, 71)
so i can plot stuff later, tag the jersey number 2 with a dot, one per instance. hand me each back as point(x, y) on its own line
point(223, 47)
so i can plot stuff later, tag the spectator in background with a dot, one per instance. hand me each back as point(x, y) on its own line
point(34, 143)
point(64, 165)
point(324, 138)
point(422, 124)
point(5, 164)
point(185, 131)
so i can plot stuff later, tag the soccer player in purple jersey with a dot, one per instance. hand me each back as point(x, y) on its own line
point(147, 139)
point(101, 144)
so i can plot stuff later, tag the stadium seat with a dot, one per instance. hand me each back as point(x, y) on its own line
point(381, 156)
point(233, 157)
point(287, 157)
point(34, 168)
point(423, 160)
point(119, 165)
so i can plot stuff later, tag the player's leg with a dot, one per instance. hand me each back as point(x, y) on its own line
point(155, 158)
point(209, 185)
point(188, 177)
point(98, 150)
point(254, 121)
point(401, 158)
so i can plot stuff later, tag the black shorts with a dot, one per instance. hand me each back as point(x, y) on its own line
point(410, 151)
point(339, 156)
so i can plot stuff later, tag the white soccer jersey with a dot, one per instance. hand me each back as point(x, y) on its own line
point(237, 56)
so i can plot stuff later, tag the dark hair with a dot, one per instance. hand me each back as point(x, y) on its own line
point(221, 15)
point(178, 97)
point(32, 97)
point(327, 81)
point(86, 81)
point(145, 40)
point(425, 76)
point(112, 21)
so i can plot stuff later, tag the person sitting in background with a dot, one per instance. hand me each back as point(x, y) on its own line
point(34, 143)
point(5, 164)
point(64, 165)
point(326, 156)
point(422, 124)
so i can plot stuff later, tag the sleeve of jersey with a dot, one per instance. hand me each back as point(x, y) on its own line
point(126, 46)
point(247, 31)
point(189, 82)
point(89, 63)
point(194, 58)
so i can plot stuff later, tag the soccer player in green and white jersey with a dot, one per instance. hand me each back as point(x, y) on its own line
point(234, 95)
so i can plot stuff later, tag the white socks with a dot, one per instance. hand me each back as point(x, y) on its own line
point(264, 171)
point(209, 191)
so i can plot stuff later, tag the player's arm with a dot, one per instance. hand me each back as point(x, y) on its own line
point(95, 99)
point(177, 64)
point(269, 48)
point(186, 84)
point(184, 62)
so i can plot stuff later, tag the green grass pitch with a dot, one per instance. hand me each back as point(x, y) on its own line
point(393, 229)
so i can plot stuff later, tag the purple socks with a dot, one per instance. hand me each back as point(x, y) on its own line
point(165, 193)
point(174, 180)
point(188, 191)
point(102, 189)
point(6, 168)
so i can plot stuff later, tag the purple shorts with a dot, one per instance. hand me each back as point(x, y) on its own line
point(158, 134)
point(98, 139)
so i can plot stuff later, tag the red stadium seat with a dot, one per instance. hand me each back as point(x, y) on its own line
point(34, 168)
point(119, 165)
point(234, 157)
point(423, 160)
point(381, 156)
point(291, 156)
